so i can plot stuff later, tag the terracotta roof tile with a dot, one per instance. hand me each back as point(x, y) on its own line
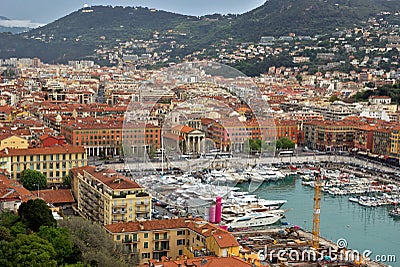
point(108, 177)
point(44, 151)
point(12, 190)
point(201, 227)
point(225, 240)
point(57, 196)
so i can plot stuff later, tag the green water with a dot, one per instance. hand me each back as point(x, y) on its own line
point(364, 228)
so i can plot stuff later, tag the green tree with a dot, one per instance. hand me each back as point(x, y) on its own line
point(285, 143)
point(61, 242)
point(31, 250)
point(18, 228)
point(8, 219)
point(67, 181)
point(36, 213)
point(30, 179)
point(255, 145)
point(97, 246)
point(6, 254)
point(334, 98)
point(5, 234)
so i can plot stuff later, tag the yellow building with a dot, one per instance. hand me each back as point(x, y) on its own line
point(107, 197)
point(14, 142)
point(53, 162)
point(223, 244)
point(395, 142)
point(180, 238)
point(7, 114)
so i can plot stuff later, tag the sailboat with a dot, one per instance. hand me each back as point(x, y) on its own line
point(395, 213)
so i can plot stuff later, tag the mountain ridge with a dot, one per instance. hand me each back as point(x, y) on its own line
point(79, 34)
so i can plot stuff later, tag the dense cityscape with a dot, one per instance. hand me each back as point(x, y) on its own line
point(141, 157)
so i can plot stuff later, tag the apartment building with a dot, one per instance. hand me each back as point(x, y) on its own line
point(329, 135)
point(13, 141)
point(53, 162)
point(105, 137)
point(395, 142)
point(107, 197)
point(175, 239)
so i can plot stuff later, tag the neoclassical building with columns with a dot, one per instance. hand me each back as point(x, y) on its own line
point(191, 139)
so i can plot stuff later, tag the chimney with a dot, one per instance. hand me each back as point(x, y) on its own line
point(141, 226)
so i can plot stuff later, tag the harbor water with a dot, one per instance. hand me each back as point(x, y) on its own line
point(364, 228)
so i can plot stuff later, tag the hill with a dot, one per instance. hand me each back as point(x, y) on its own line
point(308, 17)
point(80, 33)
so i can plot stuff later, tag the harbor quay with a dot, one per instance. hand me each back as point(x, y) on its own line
point(284, 244)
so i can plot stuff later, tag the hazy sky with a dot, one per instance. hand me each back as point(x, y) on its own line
point(46, 11)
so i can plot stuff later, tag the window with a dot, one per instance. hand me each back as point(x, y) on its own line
point(180, 232)
point(156, 236)
point(145, 255)
point(146, 244)
point(146, 235)
point(118, 237)
point(180, 252)
point(180, 242)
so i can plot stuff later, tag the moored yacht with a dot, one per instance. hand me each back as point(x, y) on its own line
point(243, 199)
point(395, 212)
point(253, 219)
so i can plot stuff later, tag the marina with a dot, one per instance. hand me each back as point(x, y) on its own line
point(357, 206)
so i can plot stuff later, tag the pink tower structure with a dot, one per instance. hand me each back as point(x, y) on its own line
point(218, 210)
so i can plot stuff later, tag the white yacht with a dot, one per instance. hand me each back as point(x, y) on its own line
point(254, 219)
point(243, 199)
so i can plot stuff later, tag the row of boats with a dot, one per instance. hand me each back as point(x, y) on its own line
point(395, 212)
point(258, 174)
point(363, 191)
point(194, 193)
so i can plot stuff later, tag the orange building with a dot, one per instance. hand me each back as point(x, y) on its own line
point(104, 137)
point(232, 134)
point(289, 129)
point(364, 137)
point(329, 135)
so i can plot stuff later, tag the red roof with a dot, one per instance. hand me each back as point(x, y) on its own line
point(44, 151)
point(12, 190)
point(225, 240)
point(108, 177)
point(60, 196)
point(201, 227)
point(183, 128)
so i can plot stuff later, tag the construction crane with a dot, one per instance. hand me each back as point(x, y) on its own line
point(317, 210)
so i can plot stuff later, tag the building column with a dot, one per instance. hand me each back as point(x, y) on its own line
point(199, 145)
point(187, 148)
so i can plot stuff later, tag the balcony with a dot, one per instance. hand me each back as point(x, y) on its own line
point(130, 240)
point(120, 206)
point(119, 211)
point(127, 251)
point(161, 238)
point(159, 249)
point(142, 203)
